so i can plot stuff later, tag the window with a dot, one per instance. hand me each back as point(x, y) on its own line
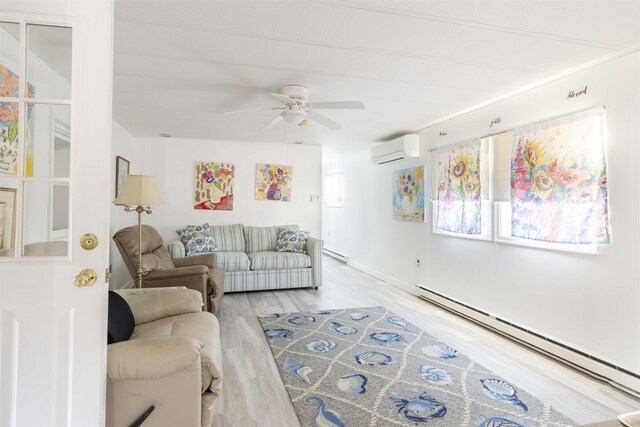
point(551, 187)
point(462, 189)
point(333, 190)
point(546, 183)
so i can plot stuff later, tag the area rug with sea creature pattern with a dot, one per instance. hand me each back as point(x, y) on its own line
point(369, 367)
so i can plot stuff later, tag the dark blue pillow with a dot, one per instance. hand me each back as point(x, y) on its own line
point(120, 322)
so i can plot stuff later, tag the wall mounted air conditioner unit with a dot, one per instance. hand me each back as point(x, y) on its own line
point(405, 147)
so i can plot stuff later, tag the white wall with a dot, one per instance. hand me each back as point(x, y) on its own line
point(123, 145)
point(172, 162)
point(587, 301)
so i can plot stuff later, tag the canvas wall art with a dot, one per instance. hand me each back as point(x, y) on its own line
point(408, 194)
point(214, 186)
point(273, 182)
point(559, 181)
point(9, 115)
point(459, 198)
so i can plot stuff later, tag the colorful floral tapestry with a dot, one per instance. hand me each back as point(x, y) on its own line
point(9, 87)
point(214, 186)
point(459, 198)
point(408, 194)
point(559, 181)
point(273, 182)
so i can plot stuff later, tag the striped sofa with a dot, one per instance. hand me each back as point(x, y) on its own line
point(248, 257)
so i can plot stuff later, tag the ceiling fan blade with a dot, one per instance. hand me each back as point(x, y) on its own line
point(272, 123)
point(283, 98)
point(323, 120)
point(342, 105)
point(248, 110)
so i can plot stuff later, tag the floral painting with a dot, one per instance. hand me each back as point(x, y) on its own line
point(214, 186)
point(459, 198)
point(408, 194)
point(559, 181)
point(9, 87)
point(273, 182)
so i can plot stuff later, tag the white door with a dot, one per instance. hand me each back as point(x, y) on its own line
point(55, 131)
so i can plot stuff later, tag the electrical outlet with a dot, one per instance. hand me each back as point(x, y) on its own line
point(418, 262)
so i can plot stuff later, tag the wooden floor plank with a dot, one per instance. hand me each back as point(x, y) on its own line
point(253, 393)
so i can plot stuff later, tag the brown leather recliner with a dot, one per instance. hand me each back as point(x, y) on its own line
point(197, 272)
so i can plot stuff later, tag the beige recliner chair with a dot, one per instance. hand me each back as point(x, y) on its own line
point(172, 360)
point(197, 272)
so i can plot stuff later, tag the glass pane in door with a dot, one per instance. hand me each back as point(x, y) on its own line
point(7, 221)
point(46, 219)
point(9, 59)
point(48, 148)
point(8, 138)
point(49, 62)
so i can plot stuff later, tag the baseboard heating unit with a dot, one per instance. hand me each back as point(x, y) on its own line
point(336, 255)
point(602, 370)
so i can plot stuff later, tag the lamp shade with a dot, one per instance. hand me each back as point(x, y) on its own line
point(139, 190)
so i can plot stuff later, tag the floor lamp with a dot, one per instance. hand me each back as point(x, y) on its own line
point(140, 193)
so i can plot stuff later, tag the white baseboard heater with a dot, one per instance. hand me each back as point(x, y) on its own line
point(617, 376)
point(336, 255)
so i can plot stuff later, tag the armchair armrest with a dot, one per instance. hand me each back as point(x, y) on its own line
point(208, 259)
point(173, 273)
point(148, 305)
point(194, 277)
point(314, 250)
point(129, 360)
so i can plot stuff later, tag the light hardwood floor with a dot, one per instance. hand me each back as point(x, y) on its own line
point(253, 393)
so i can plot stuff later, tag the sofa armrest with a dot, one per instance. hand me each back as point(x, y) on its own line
point(176, 249)
point(314, 250)
point(129, 360)
point(208, 259)
point(148, 305)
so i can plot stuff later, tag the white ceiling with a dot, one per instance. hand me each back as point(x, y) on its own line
point(180, 64)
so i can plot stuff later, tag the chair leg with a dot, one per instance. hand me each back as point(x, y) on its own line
point(316, 288)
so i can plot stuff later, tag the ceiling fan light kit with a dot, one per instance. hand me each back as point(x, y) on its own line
point(294, 115)
point(298, 111)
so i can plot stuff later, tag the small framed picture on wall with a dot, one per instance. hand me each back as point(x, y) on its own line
point(122, 171)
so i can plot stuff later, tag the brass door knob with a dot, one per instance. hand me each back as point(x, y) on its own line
point(88, 241)
point(86, 277)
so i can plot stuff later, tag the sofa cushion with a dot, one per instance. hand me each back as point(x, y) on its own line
point(120, 321)
point(197, 239)
point(278, 260)
point(229, 238)
point(260, 239)
point(291, 240)
point(202, 326)
point(232, 261)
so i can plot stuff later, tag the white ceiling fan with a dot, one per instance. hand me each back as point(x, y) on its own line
point(297, 109)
